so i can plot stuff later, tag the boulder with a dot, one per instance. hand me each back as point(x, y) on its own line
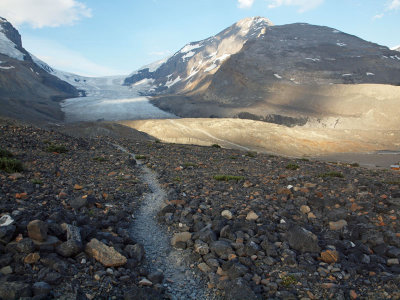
point(302, 240)
point(37, 230)
point(107, 256)
point(182, 237)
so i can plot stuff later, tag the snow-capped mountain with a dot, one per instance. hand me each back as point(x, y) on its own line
point(253, 64)
point(27, 90)
point(194, 64)
point(396, 48)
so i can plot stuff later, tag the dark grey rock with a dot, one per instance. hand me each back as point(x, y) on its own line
point(302, 240)
point(41, 288)
point(78, 202)
point(237, 270)
point(14, 290)
point(156, 277)
point(69, 248)
point(135, 251)
point(7, 233)
point(221, 248)
point(26, 245)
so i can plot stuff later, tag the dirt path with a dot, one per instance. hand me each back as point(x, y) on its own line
point(181, 281)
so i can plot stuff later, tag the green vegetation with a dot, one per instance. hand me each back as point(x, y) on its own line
point(215, 146)
point(292, 166)
point(289, 280)
point(37, 181)
point(10, 165)
point(332, 174)
point(177, 179)
point(99, 159)
point(140, 156)
point(227, 177)
point(304, 159)
point(355, 165)
point(251, 154)
point(56, 148)
point(233, 157)
point(190, 164)
point(5, 153)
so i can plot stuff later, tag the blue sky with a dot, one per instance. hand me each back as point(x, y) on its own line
point(104, 37)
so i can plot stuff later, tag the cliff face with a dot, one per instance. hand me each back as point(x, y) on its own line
point(27, 91)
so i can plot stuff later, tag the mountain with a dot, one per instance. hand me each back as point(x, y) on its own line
point(396, 48)
point(27, 91)
point(194, 65)
point(282, 74)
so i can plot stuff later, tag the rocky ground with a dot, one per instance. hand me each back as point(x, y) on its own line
point(257, 226)
point(277, 228)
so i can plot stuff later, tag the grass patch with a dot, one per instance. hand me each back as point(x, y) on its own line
point(332, 175)
point(5, 153)
point(190, 164)
point(355, 165)
point(251, 154)
point(216, 146)
point(233, 157)
point(289, 280)
point(56, 148)
point(227, 177)
point(292, 166)
point(304, 159)
point(37, 181)
point(10, 165)
point(140, 156)
point(99, 159)
point(177, 179)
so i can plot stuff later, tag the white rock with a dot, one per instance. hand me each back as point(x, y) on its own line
point(227, 214)
point(6, 220)
point(251, 216)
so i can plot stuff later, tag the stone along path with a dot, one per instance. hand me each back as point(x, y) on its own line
point(181, 281)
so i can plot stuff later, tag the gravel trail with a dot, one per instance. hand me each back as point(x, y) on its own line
point(181, 280)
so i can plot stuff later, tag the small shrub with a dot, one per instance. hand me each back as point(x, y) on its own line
point(227, 177)
point(215, 146)
point(140, 156)
point(392, 181)
point(177, 179)
point(5, 153)
point(99, 159)
point(292, 166)
point(56, 148)
point(355, 165)
point(233, 157)
point(304, 159)
point(10, 165)
point(332, 174)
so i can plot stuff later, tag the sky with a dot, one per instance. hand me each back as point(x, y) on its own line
point(117, 37)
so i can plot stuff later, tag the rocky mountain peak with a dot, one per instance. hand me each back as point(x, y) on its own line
point(7, 31)
point(193, 64)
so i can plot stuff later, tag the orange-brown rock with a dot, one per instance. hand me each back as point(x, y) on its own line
point(107, 256)
point(330, 256)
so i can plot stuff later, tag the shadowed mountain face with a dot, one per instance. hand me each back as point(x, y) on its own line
point(27, 91)
point(283, 74)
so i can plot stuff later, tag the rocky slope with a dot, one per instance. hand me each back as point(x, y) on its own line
point(26, 90)
point(272, 75)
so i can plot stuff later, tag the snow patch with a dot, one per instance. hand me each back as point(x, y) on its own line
point(210, 68)
point(190, 47)
point(8, 48)
point(370, 74)
point(7, 68)
point(146, 81)
point(341, 44)
point(188, 55)
point(170, 83)
point(347, 75)
point(278, 76)
point(313, 59)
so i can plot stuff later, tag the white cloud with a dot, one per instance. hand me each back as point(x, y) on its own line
point(42, 13)
point(304, 5)
point(379, 16)
point(245, 3)
point(65, 59)
point(394, 5)
point(160, 53)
